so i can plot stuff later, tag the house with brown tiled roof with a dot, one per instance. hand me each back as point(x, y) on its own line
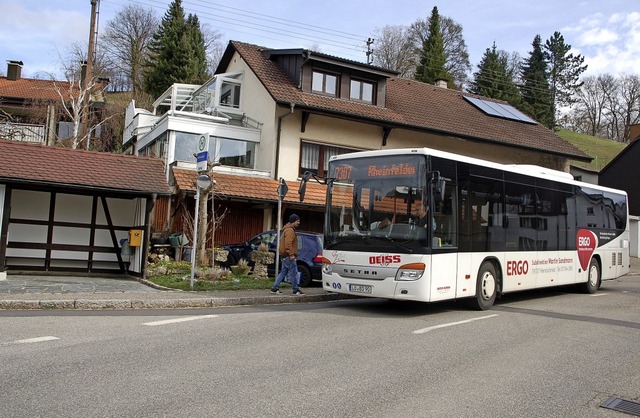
point(33, 110)
point(75, 210)
point(272, 115)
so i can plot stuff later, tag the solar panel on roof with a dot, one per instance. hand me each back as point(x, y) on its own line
point(500, 110)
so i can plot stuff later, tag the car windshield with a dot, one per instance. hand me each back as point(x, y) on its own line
point(264, 238)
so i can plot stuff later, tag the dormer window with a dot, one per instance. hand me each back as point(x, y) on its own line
point(361, 90)
point(324, 83)
point(230, 94)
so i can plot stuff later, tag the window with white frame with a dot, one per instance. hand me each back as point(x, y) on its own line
point(234, 153)
point(228, 152)
point(156, 149)
point(324, 83)
point(186, 145)
point(230, 94)
point(315, 157)
point(361, 90)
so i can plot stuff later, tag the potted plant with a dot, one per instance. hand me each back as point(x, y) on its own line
point(261, 257)
point(242, 268)
point(219, 254)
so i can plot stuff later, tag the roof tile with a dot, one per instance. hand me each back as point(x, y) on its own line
point(33, 89)
point(22, 162)
point(246, 187)
point(447, 110)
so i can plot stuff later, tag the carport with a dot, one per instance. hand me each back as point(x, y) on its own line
point(73, 211)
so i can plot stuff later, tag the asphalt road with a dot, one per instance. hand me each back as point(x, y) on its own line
point(550, 353)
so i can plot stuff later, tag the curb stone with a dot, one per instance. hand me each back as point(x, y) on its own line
point(123, 304)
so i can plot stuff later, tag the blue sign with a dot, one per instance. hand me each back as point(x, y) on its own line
point(201, 160)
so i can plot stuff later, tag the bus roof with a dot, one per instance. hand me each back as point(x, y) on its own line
point(525, 169)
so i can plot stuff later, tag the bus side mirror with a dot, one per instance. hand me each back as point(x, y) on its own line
point(303, 184)
point(438, 192)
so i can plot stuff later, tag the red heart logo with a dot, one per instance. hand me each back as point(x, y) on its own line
point(586, 242)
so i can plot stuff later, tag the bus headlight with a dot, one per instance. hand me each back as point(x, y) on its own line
point(412, 271)
point(327, 267)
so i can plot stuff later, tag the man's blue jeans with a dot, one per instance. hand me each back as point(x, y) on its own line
point(289, 269)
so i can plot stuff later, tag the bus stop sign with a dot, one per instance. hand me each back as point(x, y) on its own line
point(282, 189)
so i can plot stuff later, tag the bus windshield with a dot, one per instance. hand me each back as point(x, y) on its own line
point(378, 205)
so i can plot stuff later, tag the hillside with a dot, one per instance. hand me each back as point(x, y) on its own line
point(602, 150)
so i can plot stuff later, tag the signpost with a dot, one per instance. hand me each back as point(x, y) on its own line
point(203, 182)
point(202, 153)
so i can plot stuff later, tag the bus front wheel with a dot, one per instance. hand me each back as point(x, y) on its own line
point(486, 286)
point(593, 279)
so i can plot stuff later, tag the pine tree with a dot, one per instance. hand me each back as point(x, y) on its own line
point(432, 57)
point(564, 71)
point(199, 65)
point(495, 78)
point(535, 92)
point(176, 52)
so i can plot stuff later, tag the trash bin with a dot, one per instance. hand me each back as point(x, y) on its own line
point(177, 240)
point(186, 254)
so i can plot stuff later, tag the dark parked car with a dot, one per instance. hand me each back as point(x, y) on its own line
point(309, 254)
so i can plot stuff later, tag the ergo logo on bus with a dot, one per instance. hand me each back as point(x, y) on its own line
point(384, 259)
point(586, 242)
point(517, 268)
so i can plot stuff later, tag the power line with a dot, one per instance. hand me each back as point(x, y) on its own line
point(282, 28)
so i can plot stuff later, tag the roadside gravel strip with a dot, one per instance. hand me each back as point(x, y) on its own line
point(201, 302)
point(95, 294)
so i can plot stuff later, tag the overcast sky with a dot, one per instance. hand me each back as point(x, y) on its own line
point(606, 33)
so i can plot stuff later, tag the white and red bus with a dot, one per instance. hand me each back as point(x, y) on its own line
point(425, 225)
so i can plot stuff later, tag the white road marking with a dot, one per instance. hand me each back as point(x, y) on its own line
point(173, 321)
point(600, 294)
point(34, 340)
point(450, 324)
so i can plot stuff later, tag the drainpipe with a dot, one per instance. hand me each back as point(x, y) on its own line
point(275, 171)
point(307, 56)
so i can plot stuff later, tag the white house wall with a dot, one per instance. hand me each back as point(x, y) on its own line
point(345, 133)
point(72, 217)
point(257, 103)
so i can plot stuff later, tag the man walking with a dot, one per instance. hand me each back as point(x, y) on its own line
point(288, 253)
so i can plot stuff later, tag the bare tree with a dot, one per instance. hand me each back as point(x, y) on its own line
point(71, 104)
point(126, 39)
point(628, 105)
point(394, 49)
point(214, 46)
point(76, 54)
point(589, 113)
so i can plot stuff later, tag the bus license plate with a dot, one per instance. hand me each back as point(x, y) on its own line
point(360, 288)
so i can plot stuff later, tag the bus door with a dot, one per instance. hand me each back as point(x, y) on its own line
point(444, 241)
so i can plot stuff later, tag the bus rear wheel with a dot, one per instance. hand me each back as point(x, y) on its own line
point(593, 279)
point(486, 287)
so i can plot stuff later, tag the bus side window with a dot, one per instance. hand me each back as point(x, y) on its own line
point(446, 219)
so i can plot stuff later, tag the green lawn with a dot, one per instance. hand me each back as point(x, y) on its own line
point(602, 150)
point(177, 275)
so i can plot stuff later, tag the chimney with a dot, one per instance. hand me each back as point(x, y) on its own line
point(14, 70)
point(83, 72)
point(441, 82)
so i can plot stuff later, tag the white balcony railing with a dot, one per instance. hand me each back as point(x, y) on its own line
point(23, 132)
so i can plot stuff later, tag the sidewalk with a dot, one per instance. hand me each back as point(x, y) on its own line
point(20, 291)
point(92, 293)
